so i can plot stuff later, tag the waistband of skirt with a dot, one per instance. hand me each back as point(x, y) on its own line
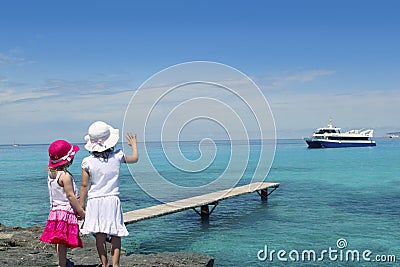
point(105, 195)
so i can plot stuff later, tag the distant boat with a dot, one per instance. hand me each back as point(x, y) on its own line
point(15, 144)
point(331, 137)
point(393, 135)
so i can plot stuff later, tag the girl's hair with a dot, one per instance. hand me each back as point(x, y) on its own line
point(53, 171)
point(103, 155)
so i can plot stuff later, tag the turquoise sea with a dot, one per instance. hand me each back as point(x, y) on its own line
point(334, 202)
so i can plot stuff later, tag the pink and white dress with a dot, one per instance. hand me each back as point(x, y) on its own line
point(62, 224)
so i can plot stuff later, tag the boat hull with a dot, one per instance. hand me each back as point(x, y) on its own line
point(312, 143)
point(318, 143)
point(336, 144)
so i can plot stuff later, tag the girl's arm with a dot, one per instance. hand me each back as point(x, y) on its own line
point(133, 158)
point(66, 182)
point(84, 188)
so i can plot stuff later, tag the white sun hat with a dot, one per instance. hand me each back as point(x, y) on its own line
point(101, 137)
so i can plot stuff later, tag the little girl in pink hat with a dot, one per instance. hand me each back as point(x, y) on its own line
point(62, 224)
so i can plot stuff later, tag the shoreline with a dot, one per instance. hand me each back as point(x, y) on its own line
point(22, 247)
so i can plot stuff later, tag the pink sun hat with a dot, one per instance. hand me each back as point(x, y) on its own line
point(61, 152)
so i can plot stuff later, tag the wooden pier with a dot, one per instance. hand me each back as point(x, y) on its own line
point(203, 202)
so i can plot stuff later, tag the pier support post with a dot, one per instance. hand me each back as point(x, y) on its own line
point(204, 212)
point(264, 194)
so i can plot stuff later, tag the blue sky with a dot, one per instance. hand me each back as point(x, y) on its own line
point(65, 64)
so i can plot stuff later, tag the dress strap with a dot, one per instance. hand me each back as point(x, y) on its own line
point(50, 187)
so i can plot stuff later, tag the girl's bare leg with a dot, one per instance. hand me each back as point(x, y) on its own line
point(62, 254)
point(115, 250)
point(102, 248)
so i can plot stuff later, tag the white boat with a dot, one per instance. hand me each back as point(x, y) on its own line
point(15, 144)
point(393, 135)
point(330, 137)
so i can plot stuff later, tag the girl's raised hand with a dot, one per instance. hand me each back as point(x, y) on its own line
point(133, 158)
point(131, 139)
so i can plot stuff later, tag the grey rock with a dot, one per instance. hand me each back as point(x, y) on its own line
point(22, 247)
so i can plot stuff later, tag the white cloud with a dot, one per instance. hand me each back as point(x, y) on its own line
point(240, 100)
point(301, 76)
point(60, 107)
point(10, 58)
point(306, 76)
point(45, 117)
point(9, 96)
point(58, 88)
point(301, 112)
point(86, 87)
point(66, 108)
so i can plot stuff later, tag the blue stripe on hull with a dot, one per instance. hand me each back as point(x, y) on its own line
point(346, 144)
point(317, 143)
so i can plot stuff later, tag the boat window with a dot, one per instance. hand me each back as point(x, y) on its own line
point(349, 138)
point(323, 131)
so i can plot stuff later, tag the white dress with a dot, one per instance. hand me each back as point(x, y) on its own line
point(103, 210)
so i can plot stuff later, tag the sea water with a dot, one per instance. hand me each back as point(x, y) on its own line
point(332, 206)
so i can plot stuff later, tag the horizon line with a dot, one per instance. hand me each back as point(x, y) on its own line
point(170, 141)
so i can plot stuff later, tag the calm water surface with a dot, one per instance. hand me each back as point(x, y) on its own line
point(325, 195)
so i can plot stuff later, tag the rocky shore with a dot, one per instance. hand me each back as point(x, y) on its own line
point(22, 247)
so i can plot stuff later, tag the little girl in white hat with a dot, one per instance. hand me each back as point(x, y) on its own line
point(104, 216)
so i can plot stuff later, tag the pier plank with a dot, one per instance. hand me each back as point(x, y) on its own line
point(194, 202)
